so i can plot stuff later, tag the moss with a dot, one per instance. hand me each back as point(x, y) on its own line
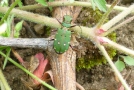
point(87, 63)
point(93, 57)
point(47, 31)
point(89, 17)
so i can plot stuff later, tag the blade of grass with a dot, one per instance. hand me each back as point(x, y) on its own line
point(4, 81)
point(8, 50)
point(9, 10)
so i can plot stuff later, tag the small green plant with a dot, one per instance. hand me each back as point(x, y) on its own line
point(3, 3)
point(4, 18)
point(101, 4)
point(43, 2)
point(18, 27)
point(6, 31)
point(123, 61)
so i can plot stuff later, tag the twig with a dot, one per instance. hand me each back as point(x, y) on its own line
point(1, 86)
point(54, 23)
point(67, 3)
point(117, 18)
point(79, 86)
point(25, 24)
point(40, 19)
point(118, 26)
point(128, 74)
point(42, 43)
point(102, 49)
point(118, 47)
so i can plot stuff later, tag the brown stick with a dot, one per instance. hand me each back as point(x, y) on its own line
point(63, 65)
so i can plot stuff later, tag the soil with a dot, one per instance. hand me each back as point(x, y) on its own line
point(98, 78)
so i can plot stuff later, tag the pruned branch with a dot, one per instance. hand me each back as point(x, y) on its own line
point(42, 43)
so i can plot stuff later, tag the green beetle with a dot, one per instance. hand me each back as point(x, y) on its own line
point(62, 40)
point(63, 36)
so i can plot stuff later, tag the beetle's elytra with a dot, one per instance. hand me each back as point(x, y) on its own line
point(62, 40)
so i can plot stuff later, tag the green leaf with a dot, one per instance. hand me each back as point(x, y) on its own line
point(120, 65)
point(20, 3)
point(3, 47)
point(42, 2)
point(18, 26)
point(93, 4)
point(1, 15)
point(128, 60)
point(8, 30)
point(3, 28)
point(50, 8)
point(101, 4)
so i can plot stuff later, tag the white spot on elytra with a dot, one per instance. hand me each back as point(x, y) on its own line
point(58, 42)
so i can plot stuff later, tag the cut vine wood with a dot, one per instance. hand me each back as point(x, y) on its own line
point(41, 43)
point(63, 65)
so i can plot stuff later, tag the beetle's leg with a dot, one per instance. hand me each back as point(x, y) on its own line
point(73, 26)
point(74, 43)
point(77, 25)
point(59, 21)
point(74, 48)
point(51, 38)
